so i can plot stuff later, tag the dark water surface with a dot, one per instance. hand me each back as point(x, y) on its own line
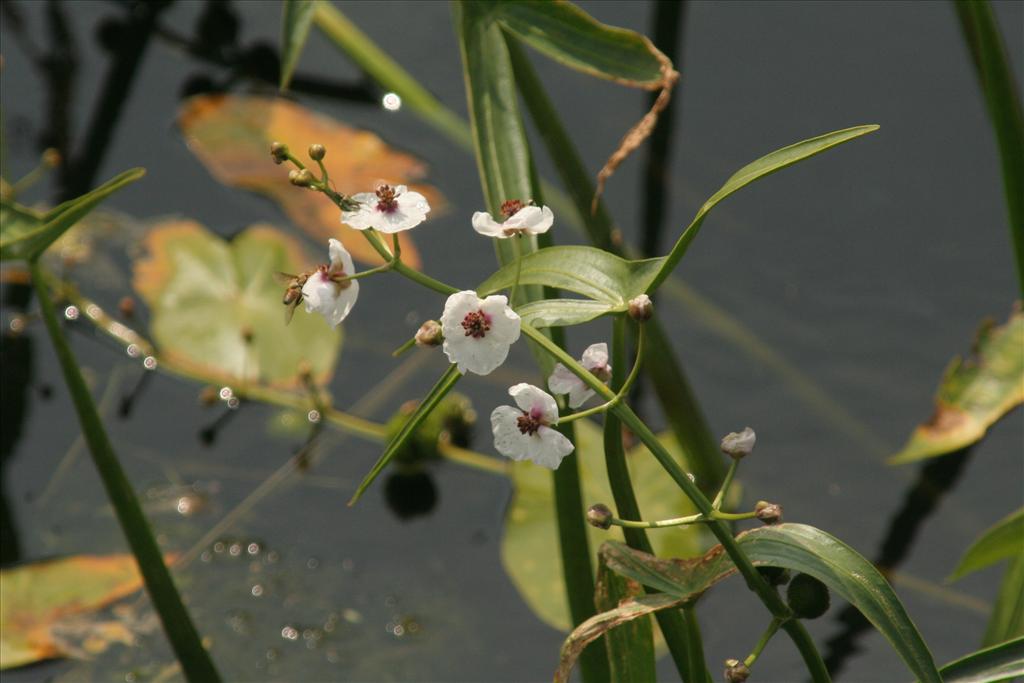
point(866, 269)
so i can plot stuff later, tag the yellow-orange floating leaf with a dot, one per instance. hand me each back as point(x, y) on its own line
point(38, 596)
point(231, 135)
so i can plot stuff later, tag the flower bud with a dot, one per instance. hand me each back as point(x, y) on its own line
point(51, 157)
point(600, 516)
point(807, 597)
point(317, 152)
point(429, 334)
point(739, 444)
point(279, 152)
point(301, 178)
point(736, 671)
point(769, 513)
point(641, 308)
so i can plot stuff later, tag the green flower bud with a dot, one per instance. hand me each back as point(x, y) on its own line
point(600, 516)
point(807, 597)
point(301, 178)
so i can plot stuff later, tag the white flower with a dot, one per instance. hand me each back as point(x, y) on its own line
point(525, 433)
point(389, 209)
point(519, 219)
point(324, 290)
point(563, 381)
point(478, 332)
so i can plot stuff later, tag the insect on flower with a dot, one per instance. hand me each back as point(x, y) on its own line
point(292, 292)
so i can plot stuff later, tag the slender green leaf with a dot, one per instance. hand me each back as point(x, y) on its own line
point(295, 22)
point(766, 165)
point(432, 399)
point(570, 36)
point(999, 663)
point(630, 646)
point(800, 548)
point(1000, 90)
point(1002, 540)
point(974, 393)
point(181, 632)
point(591, 272)
point(1007, 620)
point(24, 239)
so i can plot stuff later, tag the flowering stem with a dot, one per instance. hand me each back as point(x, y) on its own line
point(773, 627)
point(767, 594)
point(623, 392)
point(717, 502)
point(517, 251)
point(403, 348)
point(181, 632)
point(680, 521)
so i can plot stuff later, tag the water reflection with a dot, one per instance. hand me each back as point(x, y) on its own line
point(410, 494)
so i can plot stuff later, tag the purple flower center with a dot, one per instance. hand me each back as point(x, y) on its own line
point(335, 274)
point(476, 324)
point(387, 201)
point(529, 423)
point(511, 207)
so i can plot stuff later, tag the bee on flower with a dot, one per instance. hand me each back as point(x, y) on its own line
point(389, 209)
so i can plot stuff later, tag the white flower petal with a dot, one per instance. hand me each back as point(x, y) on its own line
point(579, 395)
point(535, 401)
point(411, 210)
point(508, 440)
point(549, 447)
point(481, 355)
point(325, 297)
point(562, 381)
point(533, 219)
point(596, 356)
point(485, 224)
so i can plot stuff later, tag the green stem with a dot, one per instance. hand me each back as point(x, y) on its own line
point(679, 632)
point(683, 521)
point(517, 252)
point(765, 637)
point(726, 483)
point(754, 580)
point(195, 660)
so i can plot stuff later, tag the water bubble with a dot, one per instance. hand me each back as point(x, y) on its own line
point(149, 363)
point(272, 557)
point(219, 547)
point(271, 654)
point(233, 402)
point(133, 350)
point(17, 324)
point(71, 312)
point(313, 416)
point(391, 101)
point(205, 556)
point(332, 656)
point(290, 633)
point(235, 549)
point(257, 591)
point(187, 505)
point(348, 564)
point(398, 630)
point(225, 393)
point(253, 548)
point(312, 563)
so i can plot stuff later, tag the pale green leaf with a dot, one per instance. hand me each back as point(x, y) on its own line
point(295, 22)
point(587, 271)
point(1002, 540)
point(562, 312)
point(216, 306)
point(799, 548)
point(974, 393)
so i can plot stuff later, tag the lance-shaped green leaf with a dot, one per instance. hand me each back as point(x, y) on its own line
point(1007, 620)
point(1002, 662)
point(995, 73)
point(587, 271)
point(800, 548)
point(766, 165)
point(1004, 539)
point(974, 393)
point(25, 234)
point(295, 22)
point(443, 386)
